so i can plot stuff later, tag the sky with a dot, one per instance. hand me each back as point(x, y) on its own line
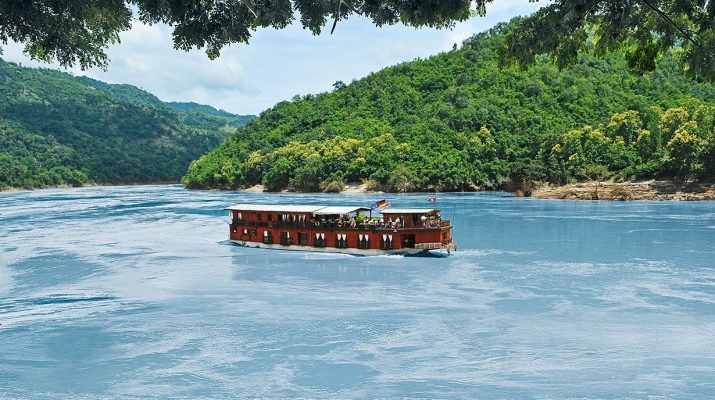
point(276, 64)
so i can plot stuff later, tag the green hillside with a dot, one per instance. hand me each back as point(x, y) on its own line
point(56, 129)
point(457, 121)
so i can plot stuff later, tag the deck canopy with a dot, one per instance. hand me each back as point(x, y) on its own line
point(327, 210)
point(423, 211)
point(283, 208)
point(339, 210)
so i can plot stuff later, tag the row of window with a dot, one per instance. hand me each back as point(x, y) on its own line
point(282, 217)
point(341, 239)
point(269, 217)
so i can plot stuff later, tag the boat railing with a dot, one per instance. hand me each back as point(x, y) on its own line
point(292, 224)
point(242, 222)
point(428, 246)
point(383, 226)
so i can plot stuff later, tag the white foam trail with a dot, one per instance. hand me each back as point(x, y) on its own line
point(7, 283)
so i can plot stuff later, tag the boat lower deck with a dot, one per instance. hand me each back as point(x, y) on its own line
point(335, 250)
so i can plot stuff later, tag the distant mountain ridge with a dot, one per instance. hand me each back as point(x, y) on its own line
point(234, 119)
point(187, 111)
point(58, 129)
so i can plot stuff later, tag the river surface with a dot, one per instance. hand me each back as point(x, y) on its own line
point(133, 292)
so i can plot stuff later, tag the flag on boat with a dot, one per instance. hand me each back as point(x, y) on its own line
point(380, 204)
point(432, 199)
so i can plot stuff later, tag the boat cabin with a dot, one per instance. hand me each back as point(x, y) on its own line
point(412, 217)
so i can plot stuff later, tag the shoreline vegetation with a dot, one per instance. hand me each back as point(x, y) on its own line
point(659, 190)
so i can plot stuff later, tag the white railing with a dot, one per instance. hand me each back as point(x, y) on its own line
point(428, 246)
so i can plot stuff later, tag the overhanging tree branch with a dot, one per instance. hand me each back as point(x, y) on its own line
point(670, 21)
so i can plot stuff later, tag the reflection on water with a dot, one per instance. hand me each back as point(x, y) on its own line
point(135, 291)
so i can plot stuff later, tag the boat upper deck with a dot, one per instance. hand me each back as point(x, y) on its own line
point(336, 217)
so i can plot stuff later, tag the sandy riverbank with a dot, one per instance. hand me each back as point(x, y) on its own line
point(642, 190)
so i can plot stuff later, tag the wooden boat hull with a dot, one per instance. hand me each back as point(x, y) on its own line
point(334, 250)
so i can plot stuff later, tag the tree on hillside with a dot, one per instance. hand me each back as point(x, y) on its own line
point(595, 173)
point(78, 31)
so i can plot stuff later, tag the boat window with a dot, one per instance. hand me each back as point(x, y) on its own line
point(260, 216)
point(302, 238)
point(386, 242)
point(320, 240)
point(269, 217)
point(363, 241)
point(267, 237)
point(341, 241)
point(285, 238)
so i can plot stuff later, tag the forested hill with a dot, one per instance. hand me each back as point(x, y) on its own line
point(57, 129)
point(456, 121)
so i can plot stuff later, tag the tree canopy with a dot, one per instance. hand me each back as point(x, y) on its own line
point(78, 31)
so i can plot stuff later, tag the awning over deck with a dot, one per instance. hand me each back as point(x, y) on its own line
point(339, 210)
point(325, 210)
point(275, 208)
point(409, 211)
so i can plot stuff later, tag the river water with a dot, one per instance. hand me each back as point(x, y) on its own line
point(133, 292)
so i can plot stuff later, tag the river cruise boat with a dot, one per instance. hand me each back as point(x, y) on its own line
point(340, 229)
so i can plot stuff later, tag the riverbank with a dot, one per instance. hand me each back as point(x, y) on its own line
point(641, 190)
point(91, 185)
point(609, 190)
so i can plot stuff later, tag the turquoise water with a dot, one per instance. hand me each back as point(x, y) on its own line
point(133, 291)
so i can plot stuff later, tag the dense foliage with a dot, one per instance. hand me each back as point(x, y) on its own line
point(56, 129)
point(78, 31)
point(456, 121)
point(679, 142)
point(643, 30)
